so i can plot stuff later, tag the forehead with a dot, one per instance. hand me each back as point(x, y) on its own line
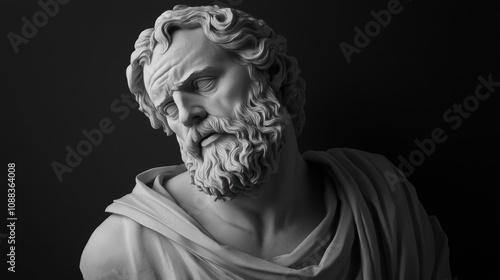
point(190, 50)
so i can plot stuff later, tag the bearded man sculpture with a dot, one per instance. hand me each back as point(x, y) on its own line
point(246, 204)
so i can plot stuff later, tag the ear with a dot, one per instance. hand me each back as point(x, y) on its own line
point(277, 75)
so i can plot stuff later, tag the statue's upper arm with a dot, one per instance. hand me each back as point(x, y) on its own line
point(105, 256)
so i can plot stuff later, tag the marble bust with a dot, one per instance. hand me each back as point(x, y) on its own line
point(246, 204)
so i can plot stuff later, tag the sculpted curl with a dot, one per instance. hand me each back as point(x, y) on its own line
point(252, 42)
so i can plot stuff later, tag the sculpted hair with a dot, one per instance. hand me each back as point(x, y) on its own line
point(252, 42)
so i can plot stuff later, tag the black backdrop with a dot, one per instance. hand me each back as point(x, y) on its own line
point(70, 77)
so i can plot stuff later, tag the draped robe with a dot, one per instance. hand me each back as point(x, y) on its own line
point(375, 228)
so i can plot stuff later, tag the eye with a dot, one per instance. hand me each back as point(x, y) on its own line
point(204, 84)
point(170, 109)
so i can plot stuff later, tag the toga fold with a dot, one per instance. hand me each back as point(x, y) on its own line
point(375, 228)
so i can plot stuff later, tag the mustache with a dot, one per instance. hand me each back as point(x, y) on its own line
point(237, 127)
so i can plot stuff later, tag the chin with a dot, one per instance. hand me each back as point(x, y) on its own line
point(231, 166)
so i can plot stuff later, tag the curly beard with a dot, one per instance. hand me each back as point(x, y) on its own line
point(244, 157)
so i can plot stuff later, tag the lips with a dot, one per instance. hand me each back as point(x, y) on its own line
point(209, 139)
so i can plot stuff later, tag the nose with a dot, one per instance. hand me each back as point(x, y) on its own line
point(191, 116)
point(190, 113)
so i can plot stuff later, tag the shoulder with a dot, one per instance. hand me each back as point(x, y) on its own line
point(393, 203)
point(114, 250)
point(370, 171)
point(359, 156)
point(358, 161)
point(104, 253)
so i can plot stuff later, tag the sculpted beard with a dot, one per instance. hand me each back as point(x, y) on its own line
point(245, 156)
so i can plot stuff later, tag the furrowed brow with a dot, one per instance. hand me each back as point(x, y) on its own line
point(191, 76)
point(194, 74)
point(168, 98)
point(158, 85)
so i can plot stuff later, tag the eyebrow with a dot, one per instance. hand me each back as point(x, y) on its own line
point(207, 70)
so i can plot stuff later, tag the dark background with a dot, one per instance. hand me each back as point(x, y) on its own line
point(396, 90)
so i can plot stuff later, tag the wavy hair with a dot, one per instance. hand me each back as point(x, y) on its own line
point(252, 42)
